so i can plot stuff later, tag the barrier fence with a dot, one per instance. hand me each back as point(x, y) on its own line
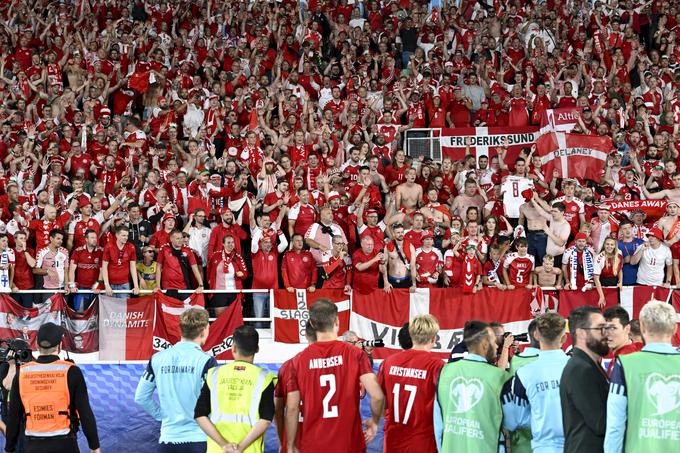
point(376, 315)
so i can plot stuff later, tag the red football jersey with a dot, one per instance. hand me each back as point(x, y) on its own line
point(519, 269)
point(327, 376)
point(409, 380)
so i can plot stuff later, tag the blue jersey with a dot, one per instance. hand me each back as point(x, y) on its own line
point(533, 400)
point(628, 250)
point(178, 374)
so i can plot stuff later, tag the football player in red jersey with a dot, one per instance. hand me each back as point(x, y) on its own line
point(409, 381)
point(328, 376)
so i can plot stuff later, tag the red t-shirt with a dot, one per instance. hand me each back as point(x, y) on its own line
point(519, 269)
point(298, 269)
point(80, 228)
point(172, 276)
point(327, 376)
point(23, 273)
point(409, 381)
point(88, 264)
point(42, 228)
point(119, 262)
point(367, 280)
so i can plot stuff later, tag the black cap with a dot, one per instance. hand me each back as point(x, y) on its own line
point(50, 335)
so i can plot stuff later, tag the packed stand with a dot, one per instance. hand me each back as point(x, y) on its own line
point(183, 145)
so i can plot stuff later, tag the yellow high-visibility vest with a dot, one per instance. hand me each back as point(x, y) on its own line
point(235, 392)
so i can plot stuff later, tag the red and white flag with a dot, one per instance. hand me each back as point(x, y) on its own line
point(633, 298)
point(483, 141)
point(291, 312)
point(126, 328)
point(675, 301)
point(380, 315)
point(560, 120)
point(576, 298)
point(166, 330)
point(80, 329)
point(220, 338)
point(573, 155)
point(543, 301)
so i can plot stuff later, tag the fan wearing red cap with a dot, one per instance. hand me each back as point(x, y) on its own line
point(655, 261)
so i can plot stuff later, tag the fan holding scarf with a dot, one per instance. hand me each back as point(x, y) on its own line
point(578, 264)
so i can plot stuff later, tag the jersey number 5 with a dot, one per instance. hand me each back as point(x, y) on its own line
point(328, 380)
point(411, 389)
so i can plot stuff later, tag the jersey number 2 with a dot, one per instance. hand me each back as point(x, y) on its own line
point(328, 380)
point(411, 389)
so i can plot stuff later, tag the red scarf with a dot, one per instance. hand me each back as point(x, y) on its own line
point(226, 261)
point(469, 274)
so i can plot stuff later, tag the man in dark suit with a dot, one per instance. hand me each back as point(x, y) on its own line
point(584, 383)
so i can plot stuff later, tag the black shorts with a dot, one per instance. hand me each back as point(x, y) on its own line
point(222, 300)
point(403, 282)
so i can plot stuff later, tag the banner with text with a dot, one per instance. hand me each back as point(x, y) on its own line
point(484, 141)
point(380, 315)
point(654, 209)
point(126, 328)
point(291, 312)
point(560, 120)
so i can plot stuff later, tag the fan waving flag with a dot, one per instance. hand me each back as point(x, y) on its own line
point(573, 155)
point(291, 312)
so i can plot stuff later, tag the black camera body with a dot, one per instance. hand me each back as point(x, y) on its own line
point(520, 337)
point(371, 344)
point(21, 348)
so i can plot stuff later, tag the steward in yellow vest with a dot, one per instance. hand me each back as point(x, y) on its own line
point(51, 396)
point(236, 405)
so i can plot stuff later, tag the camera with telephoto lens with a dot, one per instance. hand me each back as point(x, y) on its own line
point(371, 344)
point(21, 348)
point(520, 337)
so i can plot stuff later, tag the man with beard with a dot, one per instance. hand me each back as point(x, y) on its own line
point(467, 411)
point(226, 228)
point(578, 263)
point(584, 384)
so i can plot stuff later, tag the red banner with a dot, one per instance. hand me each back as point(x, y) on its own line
point(573, 155)
point(654, 209)
point(483, 141)
point(80, 329)
point(372, 320)
point(291, 312)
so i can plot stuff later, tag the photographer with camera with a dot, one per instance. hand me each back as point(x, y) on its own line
point(13, 352)
point(365, 345)
point(51, 396)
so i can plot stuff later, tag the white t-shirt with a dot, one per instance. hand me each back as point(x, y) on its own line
point(653, 265)
point(512, 190)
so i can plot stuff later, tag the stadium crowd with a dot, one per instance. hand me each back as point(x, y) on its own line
point(226, 145)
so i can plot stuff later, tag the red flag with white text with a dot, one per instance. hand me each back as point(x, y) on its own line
point(221, 332)
point(573, 155)
point(291, 312)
